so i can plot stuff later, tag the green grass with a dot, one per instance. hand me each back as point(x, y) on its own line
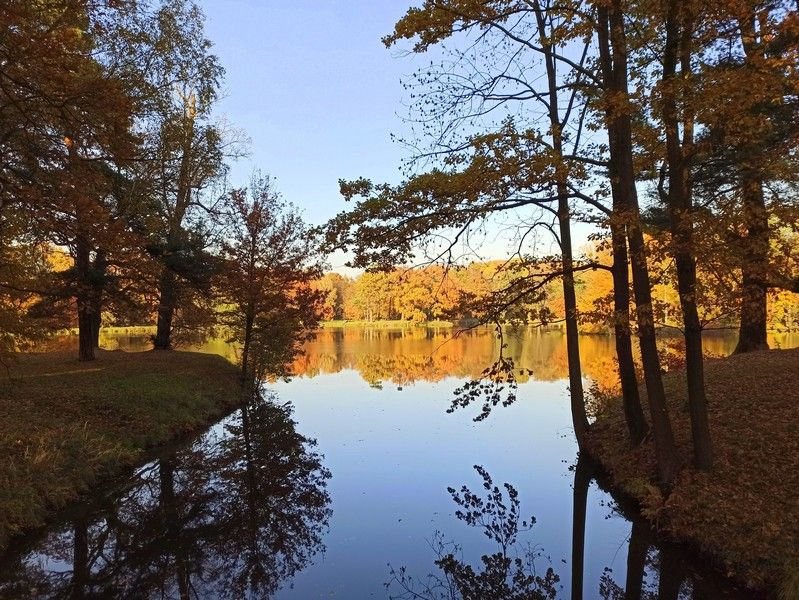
point(745, 513)
point(64, 424)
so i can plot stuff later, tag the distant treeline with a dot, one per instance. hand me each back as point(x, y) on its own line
point(433, 293)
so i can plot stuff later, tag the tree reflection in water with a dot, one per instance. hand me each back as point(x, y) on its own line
point(655, 570)
point(507, 574)
point(236, 514)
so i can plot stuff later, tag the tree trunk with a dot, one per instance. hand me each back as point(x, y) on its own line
point(752, 334)
point(167, 288)
point(672, 575)
point(680, 208)
point(576, 393)
point(99, 269)
point(166, 310)
point(755, 245)
point(626, 213)
point(83, 297)
point(80, 560)
point(249, 321)
point(582, 479)
point(636, 560)
point(96, 322)
point(631, 398)
point(172, 525)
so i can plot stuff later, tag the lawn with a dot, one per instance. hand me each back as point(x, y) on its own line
point(64, 424)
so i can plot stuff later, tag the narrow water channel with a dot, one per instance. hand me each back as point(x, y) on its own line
point(335, 485)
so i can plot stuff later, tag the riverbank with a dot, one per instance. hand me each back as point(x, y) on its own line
point(64, 424)
point(745, 514)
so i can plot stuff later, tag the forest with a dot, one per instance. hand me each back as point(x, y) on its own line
point(611, 113)
point(434, 293)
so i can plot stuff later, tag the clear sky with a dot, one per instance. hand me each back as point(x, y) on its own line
point(319, 95)
point(316, 91)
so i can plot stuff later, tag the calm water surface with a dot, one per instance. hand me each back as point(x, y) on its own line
point(335, 485)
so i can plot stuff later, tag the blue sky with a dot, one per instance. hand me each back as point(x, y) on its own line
point(315, 90)
point(319, 95)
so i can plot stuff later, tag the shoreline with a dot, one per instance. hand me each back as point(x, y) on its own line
point(67, 425)
point(743, 516)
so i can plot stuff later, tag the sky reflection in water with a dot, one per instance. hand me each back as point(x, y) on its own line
point(251, 509)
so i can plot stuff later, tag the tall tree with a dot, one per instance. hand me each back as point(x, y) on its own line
point(611, 42)
point(618, 116)
point(747, 149)
point(184, 154)
point(66, 116)
point(521, 167)
point(678, 54)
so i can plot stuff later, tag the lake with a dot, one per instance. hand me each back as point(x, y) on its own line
point(335, 485)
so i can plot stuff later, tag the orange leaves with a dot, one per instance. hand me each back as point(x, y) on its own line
point(744, 514)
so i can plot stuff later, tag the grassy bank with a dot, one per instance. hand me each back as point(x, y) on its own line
point(745, 514)
point(63, 423)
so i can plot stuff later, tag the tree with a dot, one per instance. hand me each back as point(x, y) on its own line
point(228, 516)
point(746, 171)
point(678, 126)
point(336, 288)
point(184, 154)
point(617, 112)
point(510, 573)
point(514, 168)
point(271, 259)
point(66, 119)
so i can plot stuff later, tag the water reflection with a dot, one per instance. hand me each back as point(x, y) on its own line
point(655, 570)
point(235, 514)
point(246, 511)
point(404, 356)
point(509, 573)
